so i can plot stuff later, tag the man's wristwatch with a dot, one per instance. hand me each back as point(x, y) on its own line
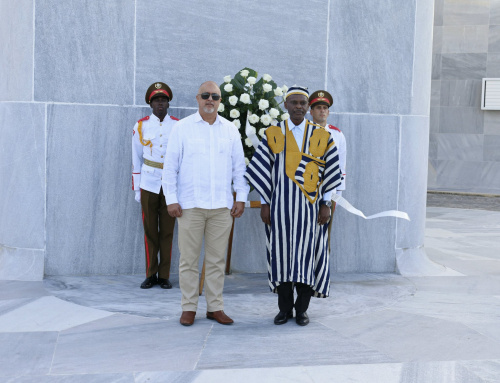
point(327, 203)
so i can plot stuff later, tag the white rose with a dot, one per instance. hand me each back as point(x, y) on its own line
point(267, 78)
point(251, 130)
point(262, 132)
point(233, 100)
point(253, 119)
point(245, 98)
point(248, 142)
point(285, 116)
point(234, 113)
point(228, 87)
point(278, 91)
point(266, 119)
point(227, 79)
point(267, 87)
point(284, 88)
point(273, 112)
point(244, 73)
point(237, 123)
point(247, 161)
point(274, 122)
point(221, 108)
point(263, 104)
point(251, 80)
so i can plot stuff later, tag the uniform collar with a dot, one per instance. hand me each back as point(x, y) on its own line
point(154, 117)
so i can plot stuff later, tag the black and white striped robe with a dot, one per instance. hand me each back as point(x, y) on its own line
point(297, 246)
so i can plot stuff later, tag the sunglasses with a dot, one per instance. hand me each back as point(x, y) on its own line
point(206, 96)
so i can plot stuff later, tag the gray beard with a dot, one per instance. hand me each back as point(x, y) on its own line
point(208, 110)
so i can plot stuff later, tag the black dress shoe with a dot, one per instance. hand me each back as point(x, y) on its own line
point(149, 282)
point(283, 317)
point(164, 283)
point(302, 319)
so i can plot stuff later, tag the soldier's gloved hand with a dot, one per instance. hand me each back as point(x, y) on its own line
point(138, 196)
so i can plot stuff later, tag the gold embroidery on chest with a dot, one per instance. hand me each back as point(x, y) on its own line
point(275, 139)
point(318, 142)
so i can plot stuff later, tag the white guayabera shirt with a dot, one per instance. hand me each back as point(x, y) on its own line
point(201, 162)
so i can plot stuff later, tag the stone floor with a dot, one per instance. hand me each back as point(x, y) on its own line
point(374, 327)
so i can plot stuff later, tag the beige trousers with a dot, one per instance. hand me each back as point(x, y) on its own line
point(215, 226)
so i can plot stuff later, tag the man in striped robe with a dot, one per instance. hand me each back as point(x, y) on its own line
point(295, 169)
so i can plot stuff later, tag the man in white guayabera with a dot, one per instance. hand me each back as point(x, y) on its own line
point(204, 157)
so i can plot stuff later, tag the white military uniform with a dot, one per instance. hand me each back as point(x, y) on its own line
point(150, 144)
point(339, 139)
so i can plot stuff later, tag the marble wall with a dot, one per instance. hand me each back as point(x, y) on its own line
point(464, 139)
point(72, 85)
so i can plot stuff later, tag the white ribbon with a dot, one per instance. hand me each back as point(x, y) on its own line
point(351, 209)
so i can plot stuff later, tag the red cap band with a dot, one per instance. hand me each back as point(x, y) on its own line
point(155, 92)
point(318, 99)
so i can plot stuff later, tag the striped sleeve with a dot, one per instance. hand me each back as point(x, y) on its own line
point(259, 170)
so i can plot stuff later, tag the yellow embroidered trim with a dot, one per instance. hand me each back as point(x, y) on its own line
point(318, 142)
point(293, 158)
point(275, 139)
point(311, 177)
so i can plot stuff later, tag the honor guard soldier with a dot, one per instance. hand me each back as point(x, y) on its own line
point(320, 102)
point(149, 144)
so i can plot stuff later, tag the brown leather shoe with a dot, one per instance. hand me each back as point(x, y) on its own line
point(187, 318)
point(220, 317)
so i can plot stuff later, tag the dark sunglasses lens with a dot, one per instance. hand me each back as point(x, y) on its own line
point(206, 95)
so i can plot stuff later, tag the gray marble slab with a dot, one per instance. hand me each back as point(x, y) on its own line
point(437, 40)
point(89, 192)
point(412, 192)
point(466, 12)
point(221, 351)
point(21, 290)
point(460, 120)
point(490, 177)
point(435, 93)
point(373, 142)
point(437, 64)
point(9, 305)
point(422, 72)
point(494, 39)
point(461, 93)
point(48, 314)
point(21, 264)
point(16, 45)
point(22, 170)
point(493, 65)
point(438, 12)
point(371, 60)
point(465, 39)
point(457, 175)
point(494, 12)
point(121, 343)
point(462, 66)
point(433, 145)
point(84, 52)
point(492, 147)
point(26, 353)
point(463, 147)
point(491, 122)
point(431, 338)
point(191, 55)
point(76, 378)
point(434, 119)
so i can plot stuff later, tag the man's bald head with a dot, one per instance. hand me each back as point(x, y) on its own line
point(208, 107)
point(209, 86)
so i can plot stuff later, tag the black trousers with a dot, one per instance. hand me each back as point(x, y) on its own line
point(285, 296)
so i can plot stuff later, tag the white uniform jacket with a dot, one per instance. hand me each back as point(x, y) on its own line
point(339, 139)
point(149, 141)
